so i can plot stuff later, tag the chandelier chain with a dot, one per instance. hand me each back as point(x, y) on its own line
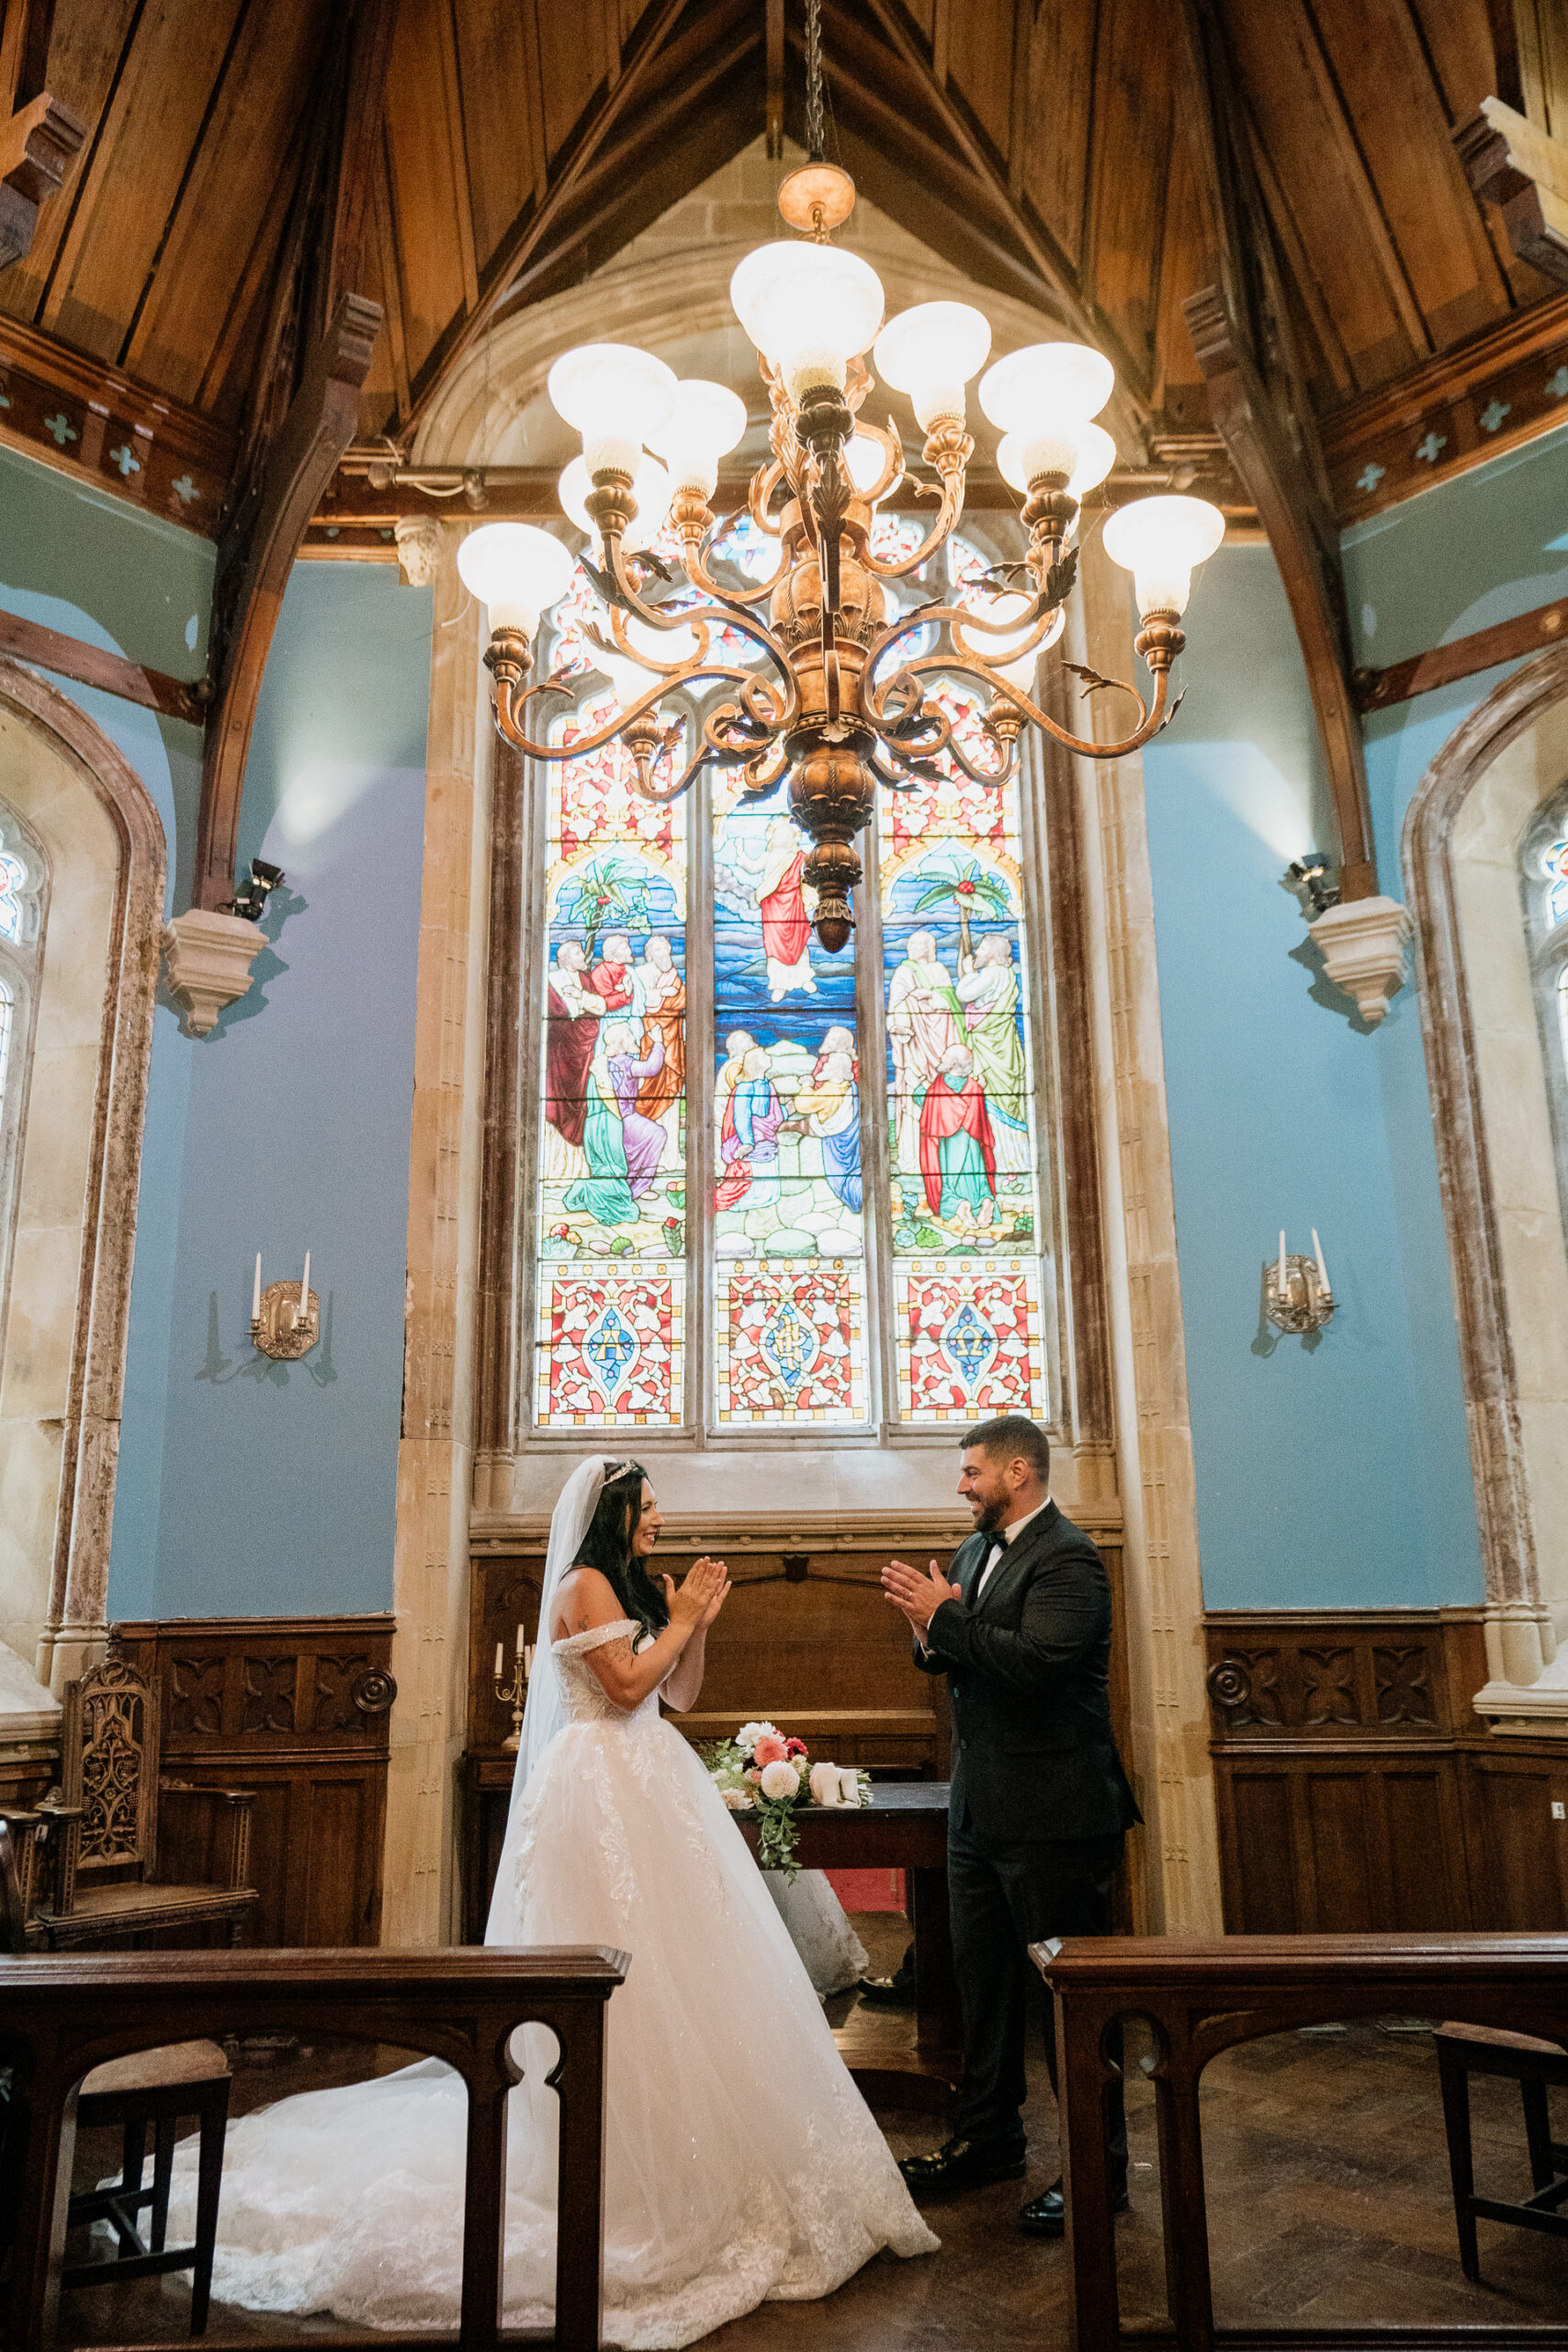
point(815, 135)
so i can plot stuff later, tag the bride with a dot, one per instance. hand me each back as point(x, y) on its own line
point(742, 2163)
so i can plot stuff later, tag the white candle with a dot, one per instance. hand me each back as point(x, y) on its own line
point(519, 1641)
point(500, 1654)
point(255, 1292)
point(527, 1658)
point(1283, 1293)
point(1322, 1268)
point(305, 1286)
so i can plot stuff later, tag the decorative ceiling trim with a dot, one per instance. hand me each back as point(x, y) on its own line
point(102, 426)
point(1497, 391)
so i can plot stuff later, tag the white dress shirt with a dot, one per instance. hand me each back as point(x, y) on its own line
point(1000, 1540)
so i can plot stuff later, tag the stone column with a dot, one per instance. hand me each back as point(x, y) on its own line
point(1165, 1594)
point(434, 1455)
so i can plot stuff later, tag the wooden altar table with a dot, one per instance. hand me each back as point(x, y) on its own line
point(899, 2059)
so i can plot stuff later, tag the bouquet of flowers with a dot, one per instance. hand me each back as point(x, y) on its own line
point(761, 1771)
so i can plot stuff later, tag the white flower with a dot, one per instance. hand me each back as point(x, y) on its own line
point(780, 1781)
point(737, 1800)
point(750, 1733)
point(825, 1784)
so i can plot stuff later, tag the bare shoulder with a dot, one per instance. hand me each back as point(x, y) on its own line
point(585, 1597)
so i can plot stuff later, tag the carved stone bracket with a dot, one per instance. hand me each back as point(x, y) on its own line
point(1364, 947)
point(36, 147)
point(1525, 173)
point(208, 958)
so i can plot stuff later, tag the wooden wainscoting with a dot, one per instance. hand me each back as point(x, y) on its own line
point(1357, 1789)
point(296, 1709)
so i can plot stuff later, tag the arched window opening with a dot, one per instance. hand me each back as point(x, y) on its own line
point(778, 1191)
point(1544, 876)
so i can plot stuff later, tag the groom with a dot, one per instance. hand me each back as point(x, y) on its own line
point(1040, 1804)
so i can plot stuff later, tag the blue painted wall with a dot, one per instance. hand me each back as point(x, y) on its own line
point(1334, 1476)
point(248, 1488)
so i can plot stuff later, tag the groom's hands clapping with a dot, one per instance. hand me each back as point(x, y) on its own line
point(920, 1597)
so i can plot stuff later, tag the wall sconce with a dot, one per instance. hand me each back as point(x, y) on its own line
point(1296, 1295)
point(286, 1320)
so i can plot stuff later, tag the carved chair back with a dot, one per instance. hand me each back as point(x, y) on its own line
point(109, 1747)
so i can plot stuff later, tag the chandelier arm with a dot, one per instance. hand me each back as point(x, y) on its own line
point(946, 522)
point(695, 556)
point(510, 703)
point(907, 754)
point(692, 615)
point(1151, 716)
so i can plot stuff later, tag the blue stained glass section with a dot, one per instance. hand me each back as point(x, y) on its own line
point(611, 1347)
point(969, 1343)
point(789, 1344)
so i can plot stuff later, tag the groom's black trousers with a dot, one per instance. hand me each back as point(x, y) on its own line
point(1003, 1898)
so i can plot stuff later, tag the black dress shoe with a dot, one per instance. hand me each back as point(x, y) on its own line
point(962, 2164)
point(1045, 2216)
point(894, 1992)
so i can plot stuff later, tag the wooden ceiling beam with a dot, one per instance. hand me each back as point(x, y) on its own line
point(1241, 333)
point(1078, 308)
point(542, 216)
point(291, 458)
point(1525, 173)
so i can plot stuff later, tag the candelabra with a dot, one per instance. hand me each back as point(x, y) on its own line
point(1296, 1295)
point(832, 696)
point(515, 1694)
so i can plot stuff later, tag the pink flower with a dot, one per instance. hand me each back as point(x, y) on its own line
point(755, 1777)
point(770, 1749)
point(794, 1748)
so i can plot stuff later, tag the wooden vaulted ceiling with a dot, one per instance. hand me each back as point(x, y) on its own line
point(1049, 147)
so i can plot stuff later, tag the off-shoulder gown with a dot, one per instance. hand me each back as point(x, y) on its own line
point(741, 2162)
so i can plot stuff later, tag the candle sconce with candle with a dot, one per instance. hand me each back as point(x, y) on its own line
point(515, 1694)
point(285, 1317)
point(1296, 1293)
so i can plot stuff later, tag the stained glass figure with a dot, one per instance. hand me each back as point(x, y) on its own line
point(964, 1156)
point(613, 1158)
point(13, 882)
point(788, 1201)
point(1554, 866)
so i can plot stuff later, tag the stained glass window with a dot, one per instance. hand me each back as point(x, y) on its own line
point(612, 1199)
point(13, 882)
point(788, 1201)
point(963, 1153)
point(1554, 866)
point(739, 1163)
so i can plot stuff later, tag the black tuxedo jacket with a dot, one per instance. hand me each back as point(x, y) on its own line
point(1028, 1667)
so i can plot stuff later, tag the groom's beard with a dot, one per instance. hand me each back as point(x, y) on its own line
point(989, 1516)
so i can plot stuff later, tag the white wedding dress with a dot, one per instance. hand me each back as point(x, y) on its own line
point(741, 2163)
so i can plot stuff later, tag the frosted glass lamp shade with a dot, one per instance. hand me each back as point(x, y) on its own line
point(630, 678)
point(931, 352)
point(651, 488)
point(616, 396)
point(1159, 540)
point(516, 571)
point(705, 424)
point(867, 462)
point(1044, 395)
point(808, 309)
point(1093, 455)
point(994, 650)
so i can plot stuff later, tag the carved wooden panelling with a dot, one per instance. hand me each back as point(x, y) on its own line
point(1305, 1679)
point(193, 1697)
point(297, 1712)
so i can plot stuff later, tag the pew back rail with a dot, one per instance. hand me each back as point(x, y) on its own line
point(61, 2016)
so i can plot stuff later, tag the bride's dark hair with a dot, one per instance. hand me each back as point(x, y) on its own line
point(607, 1546)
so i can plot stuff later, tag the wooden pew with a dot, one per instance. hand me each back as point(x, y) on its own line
point(1202, 1999)
point(62, 2015)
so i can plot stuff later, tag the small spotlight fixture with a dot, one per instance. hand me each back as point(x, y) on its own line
point(1312, 880)
point(251, 902)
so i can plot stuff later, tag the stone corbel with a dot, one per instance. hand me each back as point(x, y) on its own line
point(1525, 173)
point(207, 961)
point(419, 549)
point(1364, 943)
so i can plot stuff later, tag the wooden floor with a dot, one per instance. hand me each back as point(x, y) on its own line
point(1328, 2204)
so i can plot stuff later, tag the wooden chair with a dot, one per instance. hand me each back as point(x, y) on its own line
point(150, 2086)
point(111, 1808)
point(1466, 2050)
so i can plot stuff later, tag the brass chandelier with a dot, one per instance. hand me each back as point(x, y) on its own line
point(835, 702)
